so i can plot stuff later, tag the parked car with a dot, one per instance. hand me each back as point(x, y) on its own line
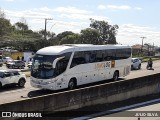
point(29, 64)
point(16, 64)
point(136, 63)
point(12, 77)
point(6, 59)
point(1, 62)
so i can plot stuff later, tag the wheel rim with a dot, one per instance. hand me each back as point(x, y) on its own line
point(115, 76)
point(71, 85)
point(21, 83)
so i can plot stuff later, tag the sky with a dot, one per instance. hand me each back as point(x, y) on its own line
point(135, 18)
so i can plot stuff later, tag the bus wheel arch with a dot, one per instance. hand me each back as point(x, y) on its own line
point(116, 75)
point(72, 83)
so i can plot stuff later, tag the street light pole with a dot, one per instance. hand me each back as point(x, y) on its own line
point(142, 43)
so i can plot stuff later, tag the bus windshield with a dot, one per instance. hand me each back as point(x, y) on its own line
point(42, 66)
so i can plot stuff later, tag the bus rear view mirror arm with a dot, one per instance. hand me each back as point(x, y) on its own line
point(56, 60)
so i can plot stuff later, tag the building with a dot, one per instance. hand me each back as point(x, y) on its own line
point(136, 49)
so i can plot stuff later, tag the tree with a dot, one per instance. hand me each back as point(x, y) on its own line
point(5, 25)
point(107, 32)
point(54, 41)
point(21, 26)
point(2, 14)
point(89, 36)
point(70, 39)
point(49, 34)
point(63, 34)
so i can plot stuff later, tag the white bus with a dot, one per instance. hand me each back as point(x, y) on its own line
point(68, 66)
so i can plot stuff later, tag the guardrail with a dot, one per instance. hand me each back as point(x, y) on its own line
point(95, 95)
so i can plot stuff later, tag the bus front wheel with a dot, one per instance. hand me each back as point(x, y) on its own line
point(72, 84)
point(115, 75)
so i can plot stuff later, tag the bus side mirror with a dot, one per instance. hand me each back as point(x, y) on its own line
point(56, 60)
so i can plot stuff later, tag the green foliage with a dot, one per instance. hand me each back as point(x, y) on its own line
point(147, 58)
point(49, 35)
point(5, 25)
point(70, 39)
point(90, 36)
point(106, 32)
point(64, 34)
point(21, 26)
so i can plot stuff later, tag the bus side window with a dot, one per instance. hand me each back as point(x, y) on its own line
point(93, 57)
point(99, 56)
point(61, 65)
point(78, 58)
point(87, 57)
point(123, 53)
point(110, 55)
point(73, 63)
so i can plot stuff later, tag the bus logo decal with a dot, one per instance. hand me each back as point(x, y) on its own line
point(103, 65)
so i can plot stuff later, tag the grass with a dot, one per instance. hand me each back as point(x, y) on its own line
point(146, 59)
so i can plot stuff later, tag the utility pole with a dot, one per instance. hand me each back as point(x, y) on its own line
point(153, 47)
point(142, 43)
point(45, 31)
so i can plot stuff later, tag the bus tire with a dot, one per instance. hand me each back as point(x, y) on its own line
point(72, 83)
point(115, 75)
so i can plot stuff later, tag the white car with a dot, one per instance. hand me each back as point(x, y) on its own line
point(12, 77)
point(1, 62)
point(136, 63)
point(29, 64)
point(7, 59)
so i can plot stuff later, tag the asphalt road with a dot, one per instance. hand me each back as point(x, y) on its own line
point(150, 111)
point(14, 93)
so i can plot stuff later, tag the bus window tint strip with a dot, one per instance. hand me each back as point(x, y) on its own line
point(83, 57)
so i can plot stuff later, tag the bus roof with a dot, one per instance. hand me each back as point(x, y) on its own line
point(56, 50)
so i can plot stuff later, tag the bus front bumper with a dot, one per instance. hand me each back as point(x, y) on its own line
point(41, 86)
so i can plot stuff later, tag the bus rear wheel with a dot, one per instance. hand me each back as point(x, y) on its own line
point(72, 84)
point(115, 75)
